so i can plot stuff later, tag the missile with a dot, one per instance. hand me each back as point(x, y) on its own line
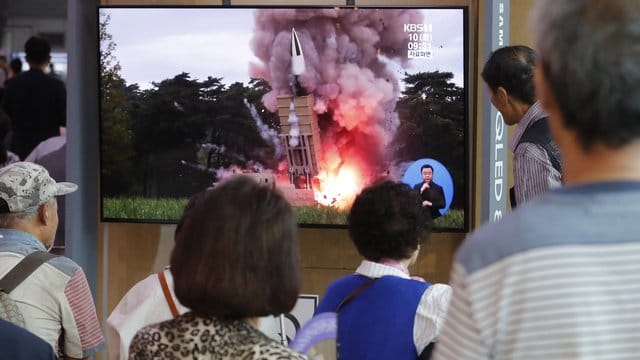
point(297, 57)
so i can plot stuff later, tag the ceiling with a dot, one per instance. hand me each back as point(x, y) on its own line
point(36, 9)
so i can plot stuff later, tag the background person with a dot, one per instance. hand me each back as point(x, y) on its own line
point(536, 158)
point(15, 68)
point(144, 304)
point(55, 300)
point(35, 101)
point(396, 316)
point(236, 258)
point(6, 156)
point(556, 279)
point(52, 155)
point(19, 344)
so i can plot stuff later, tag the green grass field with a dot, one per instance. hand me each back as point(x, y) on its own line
point(321, 215)
point(452, 219)
point(138, 208)
point(170, 210)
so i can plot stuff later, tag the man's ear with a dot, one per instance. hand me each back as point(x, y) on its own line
point(501, 97)
point(44, 213)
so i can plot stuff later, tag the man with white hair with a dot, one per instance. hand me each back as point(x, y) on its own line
point(54, 300)
point(557, 279)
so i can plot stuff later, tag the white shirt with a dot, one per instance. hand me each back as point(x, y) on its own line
point(46, 147)
point(144, 304)
point(432, 309)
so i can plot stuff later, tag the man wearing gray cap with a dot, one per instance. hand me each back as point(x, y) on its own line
point(54, 300)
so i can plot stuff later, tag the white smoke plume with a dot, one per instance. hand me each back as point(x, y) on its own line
point(346, 52)
point(267, 133)
point(294, 131)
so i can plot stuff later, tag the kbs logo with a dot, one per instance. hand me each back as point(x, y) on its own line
point(417, 27)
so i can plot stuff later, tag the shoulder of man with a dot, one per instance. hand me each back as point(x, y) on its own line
point(538, 133)
point(65, 265)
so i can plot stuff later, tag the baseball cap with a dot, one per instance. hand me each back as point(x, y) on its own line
point(25, 185)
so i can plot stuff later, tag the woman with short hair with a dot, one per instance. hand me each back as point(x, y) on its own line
point(236, 259)
point(384, 312)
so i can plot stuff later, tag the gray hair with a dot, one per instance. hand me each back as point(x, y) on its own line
point(590, 53)
point(8, 220)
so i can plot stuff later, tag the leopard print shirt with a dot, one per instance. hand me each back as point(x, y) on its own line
point(192, 337)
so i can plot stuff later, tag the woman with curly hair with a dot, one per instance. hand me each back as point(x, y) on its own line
point(387, 313)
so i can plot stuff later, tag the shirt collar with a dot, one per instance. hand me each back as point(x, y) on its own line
point(375, 270)
point(19, 237)
point(532, 115)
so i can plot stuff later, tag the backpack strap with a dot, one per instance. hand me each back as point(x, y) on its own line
point(538, 133)
point(23, 269)
point(167, 294)
point(355, 293)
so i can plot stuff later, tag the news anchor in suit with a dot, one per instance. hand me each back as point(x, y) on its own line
point(432, 194)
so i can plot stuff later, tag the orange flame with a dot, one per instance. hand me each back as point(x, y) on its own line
point(338, 189)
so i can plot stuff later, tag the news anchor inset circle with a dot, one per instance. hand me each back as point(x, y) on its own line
point(441, 176)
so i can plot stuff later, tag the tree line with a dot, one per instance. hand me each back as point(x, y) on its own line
point(151, 139)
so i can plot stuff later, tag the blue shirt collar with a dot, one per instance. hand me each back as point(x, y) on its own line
point(19, 237)
point(603, 186)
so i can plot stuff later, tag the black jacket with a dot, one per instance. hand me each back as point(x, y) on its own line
point(435, 194)
point(37, 105)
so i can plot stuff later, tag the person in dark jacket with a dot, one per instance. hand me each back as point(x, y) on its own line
point(432, 194)
point(34, 100)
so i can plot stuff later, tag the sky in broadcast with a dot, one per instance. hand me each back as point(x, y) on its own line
point(153, 44)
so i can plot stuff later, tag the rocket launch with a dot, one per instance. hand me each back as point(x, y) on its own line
point(297, 65)
point(344, 65)
point(297, 57)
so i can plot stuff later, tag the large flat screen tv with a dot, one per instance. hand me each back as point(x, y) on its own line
point(318, 102)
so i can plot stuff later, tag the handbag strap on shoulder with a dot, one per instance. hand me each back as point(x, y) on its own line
point(167, 294)
point(347, 299)
point(23, 269)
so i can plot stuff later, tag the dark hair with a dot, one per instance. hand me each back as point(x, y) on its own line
point(426, 166)
point(187, 209)
point(5, 127)
point(16, 66)
point(512, 68)
point(387, 221)
point(37, 50)
point(236, 255)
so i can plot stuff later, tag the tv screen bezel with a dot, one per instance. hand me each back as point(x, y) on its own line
point(468, 92)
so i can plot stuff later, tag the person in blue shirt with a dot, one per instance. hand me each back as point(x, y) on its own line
point(395, 316)
point(19, 344)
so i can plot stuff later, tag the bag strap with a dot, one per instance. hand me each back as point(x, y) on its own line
point(167, 294)
point(355, 293)
point(23, 269)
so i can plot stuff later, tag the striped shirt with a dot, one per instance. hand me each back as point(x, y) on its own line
point(55, 299)
point(559, 278)
point(533, 173)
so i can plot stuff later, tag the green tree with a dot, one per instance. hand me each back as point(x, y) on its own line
point(116, 135)
point(432, 124)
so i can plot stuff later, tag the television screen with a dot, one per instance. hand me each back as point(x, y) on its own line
point(318, 102)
